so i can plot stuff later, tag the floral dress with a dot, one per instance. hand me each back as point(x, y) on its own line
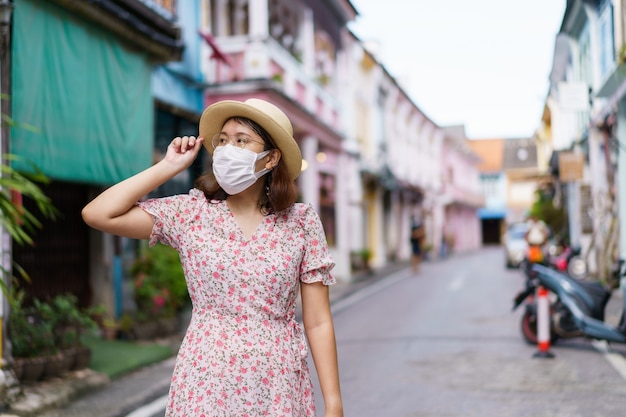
point(243, 354)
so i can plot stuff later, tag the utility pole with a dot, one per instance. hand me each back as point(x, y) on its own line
point(621, 177)
point(6, 12)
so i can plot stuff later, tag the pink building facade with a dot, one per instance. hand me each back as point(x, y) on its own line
point(373, 161)
point(462, 194)
point(289, 53)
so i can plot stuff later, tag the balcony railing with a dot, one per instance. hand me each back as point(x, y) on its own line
point(456, 195)
point(269, 60)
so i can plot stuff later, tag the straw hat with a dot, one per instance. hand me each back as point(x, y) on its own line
point(267, 115)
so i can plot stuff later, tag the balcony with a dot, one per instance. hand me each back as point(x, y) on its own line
point(236, 64)
point(460, 196)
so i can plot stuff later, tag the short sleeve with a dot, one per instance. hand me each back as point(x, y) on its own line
point(172, 216)
point(317, 262)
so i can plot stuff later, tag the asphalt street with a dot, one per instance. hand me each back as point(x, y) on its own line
point(445, 343)
point(442, 343)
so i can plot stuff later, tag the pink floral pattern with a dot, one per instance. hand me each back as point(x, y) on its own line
point(244, 354)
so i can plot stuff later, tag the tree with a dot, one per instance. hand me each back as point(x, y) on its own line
point(545, 210)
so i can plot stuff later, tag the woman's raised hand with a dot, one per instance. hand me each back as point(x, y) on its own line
point(182, 151)
point(114, 210)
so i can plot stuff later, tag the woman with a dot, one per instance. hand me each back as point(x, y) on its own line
point(246, 248)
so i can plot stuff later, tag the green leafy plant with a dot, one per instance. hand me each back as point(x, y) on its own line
point(30, 335)
point(544, 209)
point(67, 321)
point(160, 289)
point(360, 259)
point(126, 322)
point(16, 219)
point(366, 255)
point(110, 323)
point(621, 56)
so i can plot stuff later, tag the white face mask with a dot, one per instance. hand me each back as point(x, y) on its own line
point(234, 168)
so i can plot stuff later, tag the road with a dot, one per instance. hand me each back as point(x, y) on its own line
point(445, 343)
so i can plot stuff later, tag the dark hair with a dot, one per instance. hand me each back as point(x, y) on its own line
point(282, 190)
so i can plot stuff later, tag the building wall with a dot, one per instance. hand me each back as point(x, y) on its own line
point(112, 36)
point(462, 195)
point(173, 82)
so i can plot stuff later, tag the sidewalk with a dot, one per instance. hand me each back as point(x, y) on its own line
point(90, 394)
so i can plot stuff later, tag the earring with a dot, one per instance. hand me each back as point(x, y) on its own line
point(267, 191)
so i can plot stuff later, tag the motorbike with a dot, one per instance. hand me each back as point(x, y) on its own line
point(565, 258)
point(577, 308)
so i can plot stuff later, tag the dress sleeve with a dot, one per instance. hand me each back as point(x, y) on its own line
point(172, 216)
point(316, 262)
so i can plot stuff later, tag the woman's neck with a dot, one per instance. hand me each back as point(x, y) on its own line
point(244, 203)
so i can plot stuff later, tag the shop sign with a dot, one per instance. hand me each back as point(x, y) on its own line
point(571, 166)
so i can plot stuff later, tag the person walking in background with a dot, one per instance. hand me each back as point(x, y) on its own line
point(417, 239)
point(247, 248)
point(538, 232)
point(537, 235)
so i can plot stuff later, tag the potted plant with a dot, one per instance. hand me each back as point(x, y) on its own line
point(110, 327)
point(160, 291)
point(366, 256)
point(68, 323)
point(125, 326)
point(31, 340)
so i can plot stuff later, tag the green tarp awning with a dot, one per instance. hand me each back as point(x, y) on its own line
point(87, 95)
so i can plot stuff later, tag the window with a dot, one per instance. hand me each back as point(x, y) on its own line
point(324, 57)
point(230, 18)
point(284, 25)
point(605, 25)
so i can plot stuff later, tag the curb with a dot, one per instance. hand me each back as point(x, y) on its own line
point(36, 398)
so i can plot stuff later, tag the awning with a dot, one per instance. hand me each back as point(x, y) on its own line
point(491, 213)
point(86, 94)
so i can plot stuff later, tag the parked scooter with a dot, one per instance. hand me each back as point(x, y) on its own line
point(577, 307)
point(567, 259)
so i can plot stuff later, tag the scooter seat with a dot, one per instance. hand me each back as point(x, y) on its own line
point(600, 296)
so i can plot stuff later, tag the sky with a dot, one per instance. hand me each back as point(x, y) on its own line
point(483, 64)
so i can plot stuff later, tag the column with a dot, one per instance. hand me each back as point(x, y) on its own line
point(621, 176)
point(599, 185)
point(221, 19)
point(306, 41)
point(343, 178)
point(5, 237)
point(573, 212)
point(376, 229)
point(258, 16)
point(394, 224)
point(309, 178)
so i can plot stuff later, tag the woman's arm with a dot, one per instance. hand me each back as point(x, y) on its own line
point(320, 331)
point(114, 210)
